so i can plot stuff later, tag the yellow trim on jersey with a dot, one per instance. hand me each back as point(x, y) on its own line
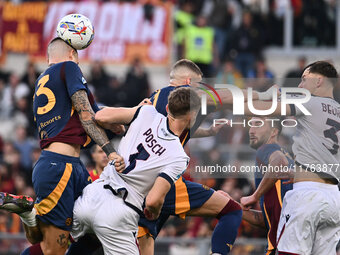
point(156, 98)
point(88, 140)
point(268, 252)
point(185, 138)
point(143, 231)
point(278, 191)
point(182, 204)
point(270, 245)
point(47, 204)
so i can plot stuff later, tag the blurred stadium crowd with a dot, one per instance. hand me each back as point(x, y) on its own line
point(235, 34)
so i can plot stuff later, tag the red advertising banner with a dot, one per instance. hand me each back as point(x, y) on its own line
point(22, 26)
point(122, 31)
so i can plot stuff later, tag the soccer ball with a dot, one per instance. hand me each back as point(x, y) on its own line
point(76, 30)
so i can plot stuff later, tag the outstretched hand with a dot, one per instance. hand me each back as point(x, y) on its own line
point(215, 128)
point(146, 101)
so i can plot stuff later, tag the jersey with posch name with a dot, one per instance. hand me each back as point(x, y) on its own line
point(149, 149)
point(56, 119)
point(317, 141)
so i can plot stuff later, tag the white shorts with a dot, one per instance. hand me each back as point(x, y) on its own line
point(310, 220)
point(100, 212)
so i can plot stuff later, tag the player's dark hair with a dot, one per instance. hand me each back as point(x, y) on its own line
point(183, 100)
point(93, 148)
point(59, 39)
point(188, 64)
point(324, 68)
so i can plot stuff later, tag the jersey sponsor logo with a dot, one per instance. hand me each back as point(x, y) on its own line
point(165, 133)
point(287, 217)
point(68, 221)
point(152, 143)
point(46, 123)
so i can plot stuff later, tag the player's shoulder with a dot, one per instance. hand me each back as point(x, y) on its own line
point(177, 154)
point(316, 105)
point(267, 149)
point(162, 91)
point(68, 66)
point(177, 150)
point(314, 100)
point(71, 67)
point(144, 113)
point(54, 67)
point(147, 110)
point(169, 88)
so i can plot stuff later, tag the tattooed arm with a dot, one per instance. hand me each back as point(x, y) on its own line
point(82, 105)
point(86, 114)
point(254, 217)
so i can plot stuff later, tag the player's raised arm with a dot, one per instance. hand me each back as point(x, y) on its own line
point(276, 159)
point(86, 114)
point(264, 105)
point(116, 115)
point(227, 96)
point(206, 132)
point(155, 199)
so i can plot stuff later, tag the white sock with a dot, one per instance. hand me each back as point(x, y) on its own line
point(29, 218)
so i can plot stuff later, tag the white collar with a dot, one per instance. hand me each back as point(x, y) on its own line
point(163, 130)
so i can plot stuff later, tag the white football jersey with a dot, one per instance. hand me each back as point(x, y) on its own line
point(149, 150)
point(316, 143)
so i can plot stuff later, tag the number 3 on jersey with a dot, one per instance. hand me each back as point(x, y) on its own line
point(142, 154)
point(331, 133)
point(42, 90)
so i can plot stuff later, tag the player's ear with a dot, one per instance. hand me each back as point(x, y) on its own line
point(319, 82)
point(70, 55)
point(188, 81)
point(167, 108)
point(73, 56)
